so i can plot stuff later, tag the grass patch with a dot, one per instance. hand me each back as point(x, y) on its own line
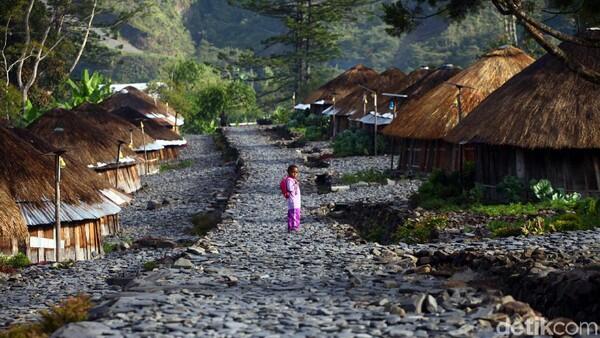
point(424, 230)
point(370, 175)
point(175, 166)
point(108, 247)
point(11, 263)
point(74, 309)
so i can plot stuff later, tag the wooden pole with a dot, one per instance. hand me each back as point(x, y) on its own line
point(393, 149)
point(145, 152)
point(117, 171)
point(57, 205)
point(375, 126)
point(597, 171)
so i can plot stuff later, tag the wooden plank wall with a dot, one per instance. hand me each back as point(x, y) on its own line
point(81, 241)
point(129, 178)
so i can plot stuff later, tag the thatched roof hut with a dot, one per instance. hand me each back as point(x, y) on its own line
point(151, 126)
point(66, 129)
point(542, 123)
point(436, 113)
point(113, 125)
point(428, 80)
point(342, 85)
point(391, 85)
point(12, 224)
point(153, 109)
point(354, 101)
point(545, 106)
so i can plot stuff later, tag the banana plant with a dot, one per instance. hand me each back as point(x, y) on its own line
point(91, 88)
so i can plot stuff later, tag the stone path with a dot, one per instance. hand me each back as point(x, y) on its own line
point(187, 190)
point(250, 278)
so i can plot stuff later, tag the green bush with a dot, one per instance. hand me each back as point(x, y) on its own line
point(18, 261)
point(150, 265)
point(447, 191)
point(501, 228)
point(512, 188)
point(281, 115)
point(356, 143)
point(424, 230)
point(369, 175)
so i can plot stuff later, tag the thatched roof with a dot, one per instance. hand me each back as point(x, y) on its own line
point(391, 86)
point(134, 98)
point(354, 101)
point(343, 84)
point(29, 174)
point(78, 136)
point(151, 127)
point(113, 125)
point(544, 106)
point(436, 113)
point(12, 224)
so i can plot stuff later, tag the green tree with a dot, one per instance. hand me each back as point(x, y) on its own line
point(92, 89)
point(308, 41)
point(404, 16)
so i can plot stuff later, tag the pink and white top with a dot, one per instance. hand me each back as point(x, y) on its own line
point(293, 188)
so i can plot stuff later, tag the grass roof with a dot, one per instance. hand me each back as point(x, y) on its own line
point(343, 84)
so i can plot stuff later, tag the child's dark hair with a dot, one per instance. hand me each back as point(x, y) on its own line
point(291, 168)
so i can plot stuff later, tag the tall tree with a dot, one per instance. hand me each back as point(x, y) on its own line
point(404, 16)
point(307, 43)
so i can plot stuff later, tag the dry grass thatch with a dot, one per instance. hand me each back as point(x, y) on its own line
point(545, 106)
point(434, 114)
point(113, 125)
point(391, 86)
point(354, 101)
point(78, 136)
point(151, 126)
point(12, 223)
point(29, 174)
point(136, 99)
point(429, 81)
point(343, 84)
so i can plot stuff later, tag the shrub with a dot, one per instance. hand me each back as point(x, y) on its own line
point(424, 230)
point(11, 263)
point(501, 228)
point(370, 175)
point(150, 265)
point(544, 191)
point(443, 191)
point(512, 189)
point(356, 143)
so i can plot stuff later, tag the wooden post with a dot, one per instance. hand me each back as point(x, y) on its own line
point(145, 152)
point(57, 236)
point(118, 159)
point(392, 153)
point(375, 126)
point(597, 172)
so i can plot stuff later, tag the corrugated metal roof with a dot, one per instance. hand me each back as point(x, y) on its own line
point(150, 147)
point(43, 213)
point(116, 196)
point(381, 118)
point(172, 143)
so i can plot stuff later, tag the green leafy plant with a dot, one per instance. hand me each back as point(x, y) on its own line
point(369, 175)
point(18, 261)
point(544, 191)
point(512, 188)
point(421, 230)
point(356, 143)
point(150, 265)
point(502, 228)
point(91, 88)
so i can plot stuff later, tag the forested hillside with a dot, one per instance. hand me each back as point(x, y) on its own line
point(215, 32)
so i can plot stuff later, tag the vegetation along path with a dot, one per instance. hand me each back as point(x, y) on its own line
point(249, 277)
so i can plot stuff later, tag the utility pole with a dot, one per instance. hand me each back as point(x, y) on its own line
point(395, 108)
point(375, 126)
point(459, 87)
point(144, 145)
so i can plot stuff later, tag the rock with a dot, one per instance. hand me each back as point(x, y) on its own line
point(85, 330)
point(516, 307)
point(153, 242)
point(340, 188)
point(431, 304)
point(183, 263)
point(395, 309)
point(390, 182)
point(153, 205)
point(197, 251)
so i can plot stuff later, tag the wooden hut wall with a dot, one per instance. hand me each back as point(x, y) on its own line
point(427, 155)
point(152, 165)
point(169, 153)
point(110, 225)
point(81, 241)
point(569, 169)
point(341, 123)
point(9, 245)
point(129, 178)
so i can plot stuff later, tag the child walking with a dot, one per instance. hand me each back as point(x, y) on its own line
point(293, 198)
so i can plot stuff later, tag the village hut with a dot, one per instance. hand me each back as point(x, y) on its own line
point(355, 100)
point(365, 117)
point(336, 89)
point(423, 122)
point(149, 106)
point(544, 123)
point(13, 230)
point(27, 179)
point(148, 151)
point(171, 141)
point(67, 130)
